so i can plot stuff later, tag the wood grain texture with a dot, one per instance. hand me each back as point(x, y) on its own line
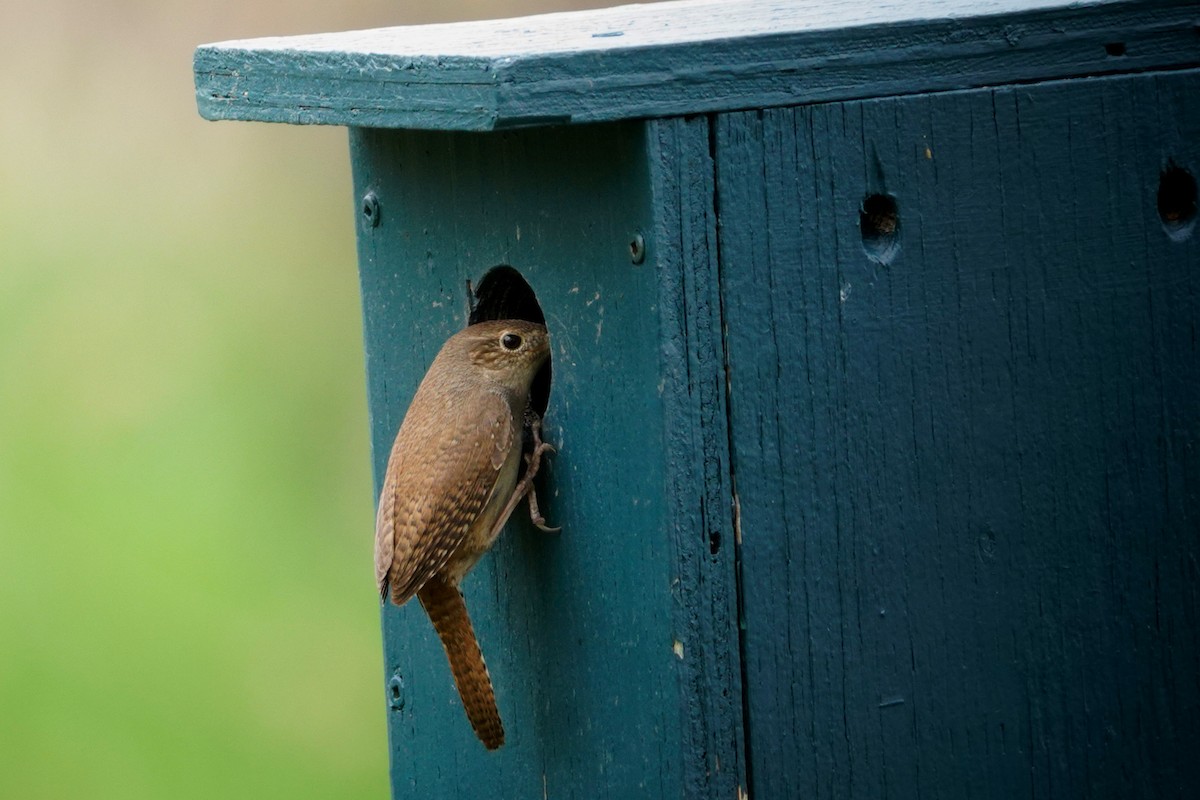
point(676, 58)
point(838, 522)
point(579, 628)
point(696, 459)
point(579, 671)
point(969, 481)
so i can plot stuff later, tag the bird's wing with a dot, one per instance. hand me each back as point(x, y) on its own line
point(439, 481)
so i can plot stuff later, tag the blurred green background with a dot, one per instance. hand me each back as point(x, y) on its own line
point(187, 607)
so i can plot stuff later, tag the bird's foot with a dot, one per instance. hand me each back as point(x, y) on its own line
point(533, 462)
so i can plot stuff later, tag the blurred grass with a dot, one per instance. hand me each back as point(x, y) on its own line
point(186, 598)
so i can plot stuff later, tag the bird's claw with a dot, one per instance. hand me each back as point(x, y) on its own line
point(533, 462)
point(535, 514)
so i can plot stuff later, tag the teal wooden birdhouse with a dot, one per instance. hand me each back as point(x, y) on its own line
point(875, 381)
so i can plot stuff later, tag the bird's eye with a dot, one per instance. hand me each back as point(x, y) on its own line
point(510, 341)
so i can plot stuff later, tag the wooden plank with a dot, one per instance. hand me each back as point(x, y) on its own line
point(969, 481)
point(579, 629)
point(677, 58)
point(581, 672)
point(704, 582)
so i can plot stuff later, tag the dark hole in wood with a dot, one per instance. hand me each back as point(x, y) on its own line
point(505, 294)
point(1115, 49)
point(714, 542)
point(1177, 202)
point(879, 223)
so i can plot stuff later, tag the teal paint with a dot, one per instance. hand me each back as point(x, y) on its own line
point(969, 480)
point(678, 58)
point(880, 473)
point(578, 628)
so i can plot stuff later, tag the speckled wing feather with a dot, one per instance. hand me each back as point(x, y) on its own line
point(437, 486)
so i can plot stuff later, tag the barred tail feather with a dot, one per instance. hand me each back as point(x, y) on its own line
point(446, 609)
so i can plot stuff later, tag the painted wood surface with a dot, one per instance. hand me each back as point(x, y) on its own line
point(911, 514)
point(704, 583)
point(969, 480)
point(678, 58)
point(612, 645)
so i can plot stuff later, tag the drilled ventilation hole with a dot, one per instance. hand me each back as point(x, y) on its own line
point(879, 222)
point(1177, 202)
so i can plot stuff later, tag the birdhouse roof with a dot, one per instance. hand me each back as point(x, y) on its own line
point(679, 58)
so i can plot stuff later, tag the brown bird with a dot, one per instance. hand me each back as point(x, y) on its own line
point(451, 484)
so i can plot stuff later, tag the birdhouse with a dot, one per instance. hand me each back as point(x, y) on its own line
point(875, 384)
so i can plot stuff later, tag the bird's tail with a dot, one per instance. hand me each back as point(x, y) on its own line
point(446, 609)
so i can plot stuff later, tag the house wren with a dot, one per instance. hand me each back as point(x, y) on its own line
point(451, 484)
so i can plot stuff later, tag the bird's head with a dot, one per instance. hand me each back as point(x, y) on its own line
point(509, 351)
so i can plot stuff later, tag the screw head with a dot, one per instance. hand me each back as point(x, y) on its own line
point(637, 249)
point(370, 210)
point(395, 691)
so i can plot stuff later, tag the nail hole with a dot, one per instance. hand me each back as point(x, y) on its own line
point(879, 222)
point(1177, 202)
point(714, 542)
point(1115, 49)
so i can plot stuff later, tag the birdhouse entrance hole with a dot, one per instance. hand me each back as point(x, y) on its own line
point(505, 294)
